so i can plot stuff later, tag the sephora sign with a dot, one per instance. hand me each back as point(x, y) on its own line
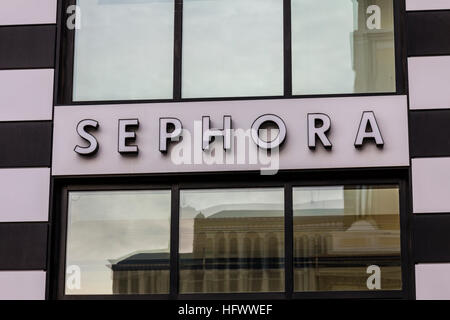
point(221, 136)
point(319, 124)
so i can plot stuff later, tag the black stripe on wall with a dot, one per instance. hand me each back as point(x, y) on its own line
point(25, 144)
point(429, 133)
point(23, 246)
point(27, 46)
point(428, 32)
point(431, 237)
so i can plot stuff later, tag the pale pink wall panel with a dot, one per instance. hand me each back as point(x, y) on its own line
point(433, 281)
point(429, 82)
point(27, 12)
point(26, 94)
point(427, 4)
point(22, 285)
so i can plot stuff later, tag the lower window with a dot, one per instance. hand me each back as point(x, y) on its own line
point(232, 240)
point(118, 242)
point(347, 238)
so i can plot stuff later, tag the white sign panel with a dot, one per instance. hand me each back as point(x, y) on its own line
point(267, 135)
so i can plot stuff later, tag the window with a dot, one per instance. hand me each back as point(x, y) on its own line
point(188, 239)
point(231, 240)
point(335, 52)
point(339, 232)
point(172, 50)
point(232, 48)
point(124, 50)
point(118, 242)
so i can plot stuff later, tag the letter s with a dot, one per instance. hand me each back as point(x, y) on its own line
point(93, 146)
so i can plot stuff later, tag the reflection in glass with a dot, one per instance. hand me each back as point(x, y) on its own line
point(124, 50)
point(232, 48)
point(118, 242)
point(340, 231)
point(335, 52)
point(231, 240)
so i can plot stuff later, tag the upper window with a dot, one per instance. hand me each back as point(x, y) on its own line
point(160, 50)
point(124, 50)
point(342, 46)
point(232, 48)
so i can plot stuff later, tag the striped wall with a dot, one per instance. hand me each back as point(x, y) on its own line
point(428, 24)
point(27, 60)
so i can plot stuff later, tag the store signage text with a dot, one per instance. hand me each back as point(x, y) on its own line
point(319, 125)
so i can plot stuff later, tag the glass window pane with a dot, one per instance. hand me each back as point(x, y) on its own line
point(232, 48)
point(124, 50)
point(118, 242)
point(335, 52)
point(340, 231)
point(231, 240)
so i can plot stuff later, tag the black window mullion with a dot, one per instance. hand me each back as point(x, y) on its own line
point(174, 240)
point(177, 49)
point(65, 65)
point(287, 56)
point(400, 44)
point(288, 241)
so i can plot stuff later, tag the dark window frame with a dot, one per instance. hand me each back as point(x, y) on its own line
point(286, 180)
point(66, 46)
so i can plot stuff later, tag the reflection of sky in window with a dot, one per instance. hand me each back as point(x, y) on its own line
point(311, 198)
point(113, 224)
point(124, 50)
point(322, 46)
point(232, 48)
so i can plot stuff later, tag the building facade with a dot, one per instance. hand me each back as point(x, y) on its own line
point(260, 149)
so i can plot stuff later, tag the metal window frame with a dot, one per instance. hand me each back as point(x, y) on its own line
point(66, 46)
point(285, 179)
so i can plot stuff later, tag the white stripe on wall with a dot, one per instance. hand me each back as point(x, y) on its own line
point(433, 281)
point(22, 285)
point(427, 4)
point(14, 12)
point(24, 194)
point(429, 82)
point(431, 185)
point(26, 94)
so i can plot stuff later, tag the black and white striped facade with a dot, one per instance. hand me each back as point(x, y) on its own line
point(429, 101)
point(37, 154)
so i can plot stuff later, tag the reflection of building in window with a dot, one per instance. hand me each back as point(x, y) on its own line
point(333, 252)
point(141, 273)
point(235, 251)
point(373, 50)
point(243, 251)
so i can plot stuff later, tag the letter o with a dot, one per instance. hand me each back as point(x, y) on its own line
point(278, 140)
